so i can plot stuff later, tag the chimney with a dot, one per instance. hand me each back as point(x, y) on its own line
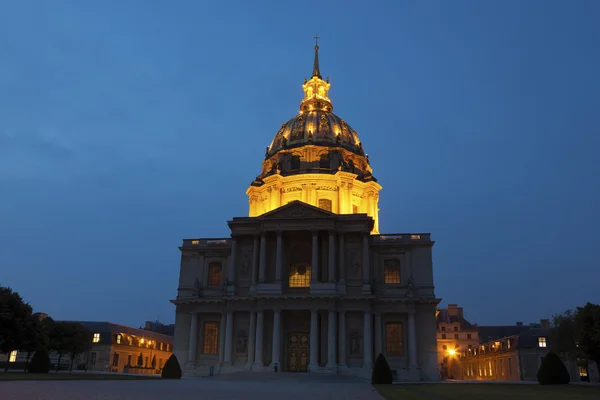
point(519, 324)
point(545, 323)
point(452, 310)
point(148, 325)
point(460, 312)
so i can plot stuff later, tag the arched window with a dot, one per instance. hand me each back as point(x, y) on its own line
point(325, 204)
point(391, 270)
point(443, 329)
point(215, 274)
point(324, 161)
point(299, 275)
point(295, 162)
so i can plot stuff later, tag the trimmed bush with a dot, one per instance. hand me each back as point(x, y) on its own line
point(382, 374)
point(553, 371)
point(171, 370)
point(40, 363)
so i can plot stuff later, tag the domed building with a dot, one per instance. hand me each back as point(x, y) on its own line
point(317, 158)
point(306, 283)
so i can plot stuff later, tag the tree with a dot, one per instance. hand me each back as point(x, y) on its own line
point(79, 341)
point(553, 371)
point(171, 370)
point(382, 374)
point(33, 337)
point(587, 320)
point(14, 314)
point(60, 339)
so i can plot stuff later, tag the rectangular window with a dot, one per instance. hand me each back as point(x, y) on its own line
point(211, 337)
point(161, 345)
point(299, 275)
point(468, 336)
point(455, 328)
point(443, 336)
point(116, 360)
point(160, 363)
point(391, 271)
point(195, 242)
point(96, 338)
point(509, 366)
point(129, 360)
point(130, 340)
point(325, 204)
point(13, 356)
point(444, 347)
point(583, 371)
point(393, 339)
point(93, 358)
point(456, 336)
point(502, 367)
point(118, 339)
point(542, 341)
point(167, 346)
point(215, 274)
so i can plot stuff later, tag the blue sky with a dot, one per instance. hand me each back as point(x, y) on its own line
point(126, 126)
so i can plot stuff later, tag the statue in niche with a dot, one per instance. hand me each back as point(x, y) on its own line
point(309, 92)
point(354, 343)
point(321, 91)
point(242, 342)
point(410, 291)
point(197, 289)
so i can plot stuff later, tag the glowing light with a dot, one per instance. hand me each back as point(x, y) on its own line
point(452, 352)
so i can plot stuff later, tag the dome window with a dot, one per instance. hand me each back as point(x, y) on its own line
point(295, 162)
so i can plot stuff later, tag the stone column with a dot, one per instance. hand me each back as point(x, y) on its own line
point(331, 350)
point(193, 345)
point(331, 274)
point(228, 337)
point(251, 339)
point(263, 258)
point(232, 263)
point(366, 264)
point(314, 341)
point(368, 344)
point(412, 341)
point(255, 255)
point(342, 339)
point(222, 337)
point(279, 258)
point(342, 268)
point(276, 338)
point(258, 357)
point(314, 277)
point(378, 337)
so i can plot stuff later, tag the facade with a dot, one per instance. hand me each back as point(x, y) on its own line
point(115, 348)
point(305, 283)
point(454, 333)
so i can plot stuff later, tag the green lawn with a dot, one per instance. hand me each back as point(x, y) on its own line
point(66, 376)
point(483, 391)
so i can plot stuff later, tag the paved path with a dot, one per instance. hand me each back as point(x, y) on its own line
point(227, 387)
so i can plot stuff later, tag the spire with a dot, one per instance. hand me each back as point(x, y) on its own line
point(316, 71)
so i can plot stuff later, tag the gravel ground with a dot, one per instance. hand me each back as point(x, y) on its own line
point(233, 386)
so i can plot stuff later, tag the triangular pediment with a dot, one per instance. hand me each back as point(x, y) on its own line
point(297, 209)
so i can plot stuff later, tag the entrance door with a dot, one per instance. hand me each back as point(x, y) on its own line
point(298, 352)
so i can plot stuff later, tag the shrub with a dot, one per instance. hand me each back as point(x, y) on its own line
point(382, 374)
point(171, 370)
point(553, 371)
point(40, 362)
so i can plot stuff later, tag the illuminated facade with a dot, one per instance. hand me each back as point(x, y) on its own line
point(316, 158)
point(306, 283)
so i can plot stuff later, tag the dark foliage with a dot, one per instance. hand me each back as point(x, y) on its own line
point(553, 371)
point(40, 362)
point(171, 370)
point(382, 374)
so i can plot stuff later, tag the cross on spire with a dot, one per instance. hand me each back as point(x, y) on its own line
point(316, 71)
point(317, 37)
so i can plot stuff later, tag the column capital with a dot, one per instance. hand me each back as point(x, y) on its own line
point(332, 233)
point(314, 231)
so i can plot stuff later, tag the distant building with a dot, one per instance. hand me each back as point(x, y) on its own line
point(511, 353)
point(454, 333)
point(115, 348)
point(159, 327)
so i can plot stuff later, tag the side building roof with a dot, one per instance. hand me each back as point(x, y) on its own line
point(444, 317)
point(112, 328)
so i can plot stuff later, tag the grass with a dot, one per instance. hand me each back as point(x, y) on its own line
point(483, 391)
point(67, 376)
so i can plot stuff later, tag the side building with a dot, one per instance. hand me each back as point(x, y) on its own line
point(114, 348)
point(454, 333)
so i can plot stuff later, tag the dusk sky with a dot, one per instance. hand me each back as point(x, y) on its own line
point(126, 126)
